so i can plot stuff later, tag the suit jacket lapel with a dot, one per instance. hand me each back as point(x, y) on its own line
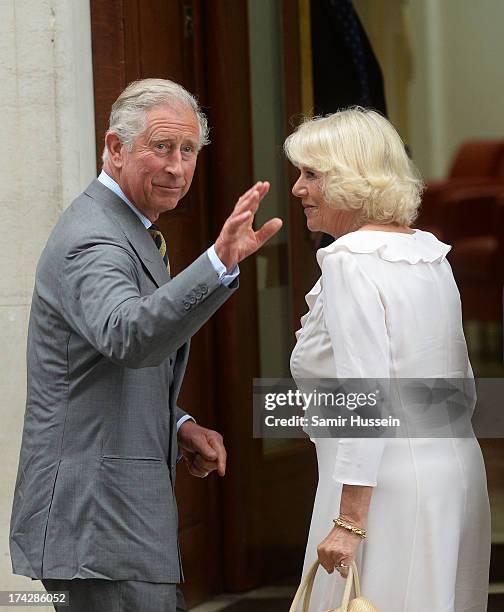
point(134, 230)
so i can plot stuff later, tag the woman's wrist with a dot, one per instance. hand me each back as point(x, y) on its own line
point(357, 519)
point(350, 527)
point(354, 504)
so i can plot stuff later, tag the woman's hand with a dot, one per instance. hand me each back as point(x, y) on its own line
point(339, 546)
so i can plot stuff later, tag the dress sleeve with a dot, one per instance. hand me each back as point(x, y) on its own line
point(355, 318)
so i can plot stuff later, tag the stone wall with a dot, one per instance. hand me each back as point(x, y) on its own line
point(46, 158)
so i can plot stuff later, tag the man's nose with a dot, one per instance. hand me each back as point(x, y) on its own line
point(174, 163)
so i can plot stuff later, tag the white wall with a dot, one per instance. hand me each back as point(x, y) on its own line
point(457, 86)
point(473, 70)
point(46, 158)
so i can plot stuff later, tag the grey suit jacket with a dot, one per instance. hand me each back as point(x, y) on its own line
point(108, 343)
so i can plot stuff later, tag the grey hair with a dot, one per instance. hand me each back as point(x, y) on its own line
point(128, 114)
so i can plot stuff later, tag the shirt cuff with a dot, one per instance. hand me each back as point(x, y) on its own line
point(183, 419)
point(220, 268)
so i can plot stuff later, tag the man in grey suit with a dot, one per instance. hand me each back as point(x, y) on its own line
point(94, 508)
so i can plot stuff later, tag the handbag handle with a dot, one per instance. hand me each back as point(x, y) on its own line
point(306, 587)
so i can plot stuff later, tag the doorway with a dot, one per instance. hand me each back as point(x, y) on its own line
point(250, 527)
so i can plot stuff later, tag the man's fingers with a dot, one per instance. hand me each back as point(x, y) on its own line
point(263, 189)
point(244, 199)
point(204, 465)
point(234, 224)
point(202, 448)
point(200, 467)
point(250, 199)
point(194, 469)
point(248, 202)
point(219, 448)
point(249, 191)
point(269, 229)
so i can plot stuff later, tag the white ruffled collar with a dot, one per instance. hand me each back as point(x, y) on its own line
point(389, 246)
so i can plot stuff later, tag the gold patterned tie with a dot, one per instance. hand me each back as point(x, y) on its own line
point(160, 242)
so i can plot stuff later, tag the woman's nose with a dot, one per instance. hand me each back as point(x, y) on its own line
point(297, 189)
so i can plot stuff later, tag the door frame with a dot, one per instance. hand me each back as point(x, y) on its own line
point(254, 532)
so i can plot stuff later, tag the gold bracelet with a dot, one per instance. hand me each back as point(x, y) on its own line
point(356, 530)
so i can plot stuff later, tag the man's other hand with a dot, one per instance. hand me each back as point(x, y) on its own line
point(202, 449)
point(238, 239)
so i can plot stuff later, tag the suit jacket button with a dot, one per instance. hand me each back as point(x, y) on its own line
point(193, 300)
point(186, 305)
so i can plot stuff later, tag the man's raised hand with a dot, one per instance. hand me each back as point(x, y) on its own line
point(238, 239)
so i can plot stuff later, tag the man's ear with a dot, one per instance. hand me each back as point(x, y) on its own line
point(115, 149)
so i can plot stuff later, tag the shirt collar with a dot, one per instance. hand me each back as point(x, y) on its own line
point(109, 182)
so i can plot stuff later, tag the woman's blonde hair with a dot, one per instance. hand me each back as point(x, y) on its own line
point(363, 163)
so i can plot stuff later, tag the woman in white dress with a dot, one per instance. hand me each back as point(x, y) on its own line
point(386, 306)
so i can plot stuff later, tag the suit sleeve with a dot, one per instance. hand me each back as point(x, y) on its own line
point(355, 318)
point(100, 297)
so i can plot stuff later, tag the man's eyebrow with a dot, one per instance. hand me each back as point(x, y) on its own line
point(162, 138)
point(159, 138)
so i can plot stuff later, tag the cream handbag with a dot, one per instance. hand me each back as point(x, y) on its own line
point(358, 604)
